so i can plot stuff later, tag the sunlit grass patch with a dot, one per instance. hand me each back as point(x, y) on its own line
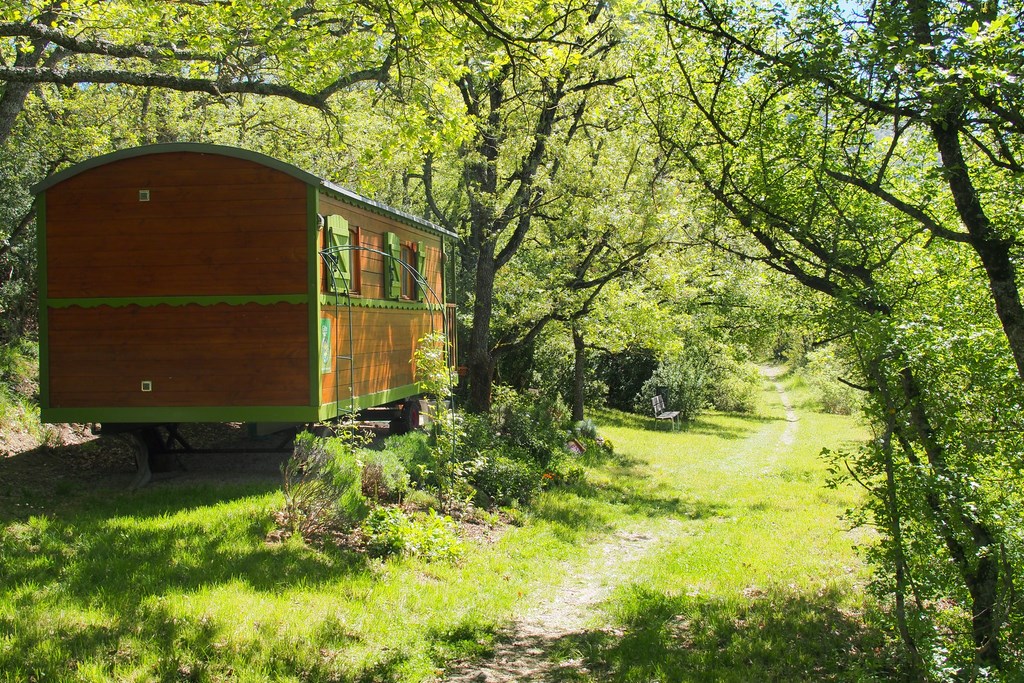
point(180, 582)
point(765, 587)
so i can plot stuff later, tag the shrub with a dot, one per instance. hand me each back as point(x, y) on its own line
point(385, 477)
point(703, 375)
point(686, 380)
point(564, 470)
point(538, 425)
point(391, 531)
point(505, 480)
point(821, 374)
point(737, 386)
point(586, 428)
point(412, 450)
point(322, 485)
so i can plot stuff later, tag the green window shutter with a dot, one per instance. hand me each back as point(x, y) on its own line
point(421, 268)
point(337, 227)
point(393, 266)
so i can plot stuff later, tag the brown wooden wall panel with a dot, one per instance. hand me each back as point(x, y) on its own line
point(384, 343)
point(202, 356)
point(214, 225)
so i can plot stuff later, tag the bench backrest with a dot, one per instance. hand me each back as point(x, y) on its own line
point(659, 404)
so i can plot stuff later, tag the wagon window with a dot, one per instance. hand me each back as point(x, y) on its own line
point(340, 255)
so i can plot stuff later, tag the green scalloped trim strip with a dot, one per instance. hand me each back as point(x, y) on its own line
point(329, 300)
point(149, 301)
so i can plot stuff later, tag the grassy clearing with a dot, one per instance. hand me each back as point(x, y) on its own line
point(178, 584)
point(759, 580)
point(754, 578)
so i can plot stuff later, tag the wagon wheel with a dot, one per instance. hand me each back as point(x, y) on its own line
point(152, 454)
point(161, 458)
point(409, 420)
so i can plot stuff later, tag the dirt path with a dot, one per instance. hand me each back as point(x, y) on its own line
point(522, 653)
point(788, 437)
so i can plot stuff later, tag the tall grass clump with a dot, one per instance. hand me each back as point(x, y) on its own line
point(17, 383)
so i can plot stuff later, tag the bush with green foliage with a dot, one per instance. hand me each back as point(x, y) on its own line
point(323, 485)
point(625, 374)
point(19, 389)
point(413, 451)
point(586, 429)
point(385, 477)
point(822, 372)
point(504, 480)
point(503, 457)
point(685, 381)
point(736, 387)
point(537, 424)
point(392, 531)
point(702, 376)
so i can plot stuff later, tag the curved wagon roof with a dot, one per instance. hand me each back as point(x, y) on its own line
point(256, 157)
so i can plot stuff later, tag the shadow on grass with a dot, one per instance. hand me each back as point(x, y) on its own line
point(93, 555)
point(629, 484)
point(773, 637)
point(741, 425)
point(93, 561)
point(175, 647)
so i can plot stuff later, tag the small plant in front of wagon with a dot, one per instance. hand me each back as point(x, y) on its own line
point(323, 486)
point(392, 531)
point(436, 379)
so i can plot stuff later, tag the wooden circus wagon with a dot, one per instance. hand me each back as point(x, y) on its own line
point(199, 283)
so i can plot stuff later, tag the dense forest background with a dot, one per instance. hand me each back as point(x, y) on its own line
point(649, 194)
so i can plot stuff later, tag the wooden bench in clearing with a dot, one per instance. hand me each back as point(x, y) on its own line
point(661, 414)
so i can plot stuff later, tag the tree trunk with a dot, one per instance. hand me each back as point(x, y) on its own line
point(12, 101)
point(579, 373)
point(978, 562)
point(993, 249)
point(479, 359)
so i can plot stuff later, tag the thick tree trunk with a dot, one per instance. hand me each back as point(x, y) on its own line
point(12, 101)
point(579, 373)
point(978, 562)
point(480, 359)
point(993, 249)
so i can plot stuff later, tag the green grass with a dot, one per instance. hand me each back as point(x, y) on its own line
point(179, 584)
point(759, 580)
point(753, 577)
point(19, 384)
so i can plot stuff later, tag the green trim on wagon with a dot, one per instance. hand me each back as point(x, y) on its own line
point(149, 301)
point(160, 414)
point(356, 302)
point(330, 410)
point(316, 380)
point(44, 318)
